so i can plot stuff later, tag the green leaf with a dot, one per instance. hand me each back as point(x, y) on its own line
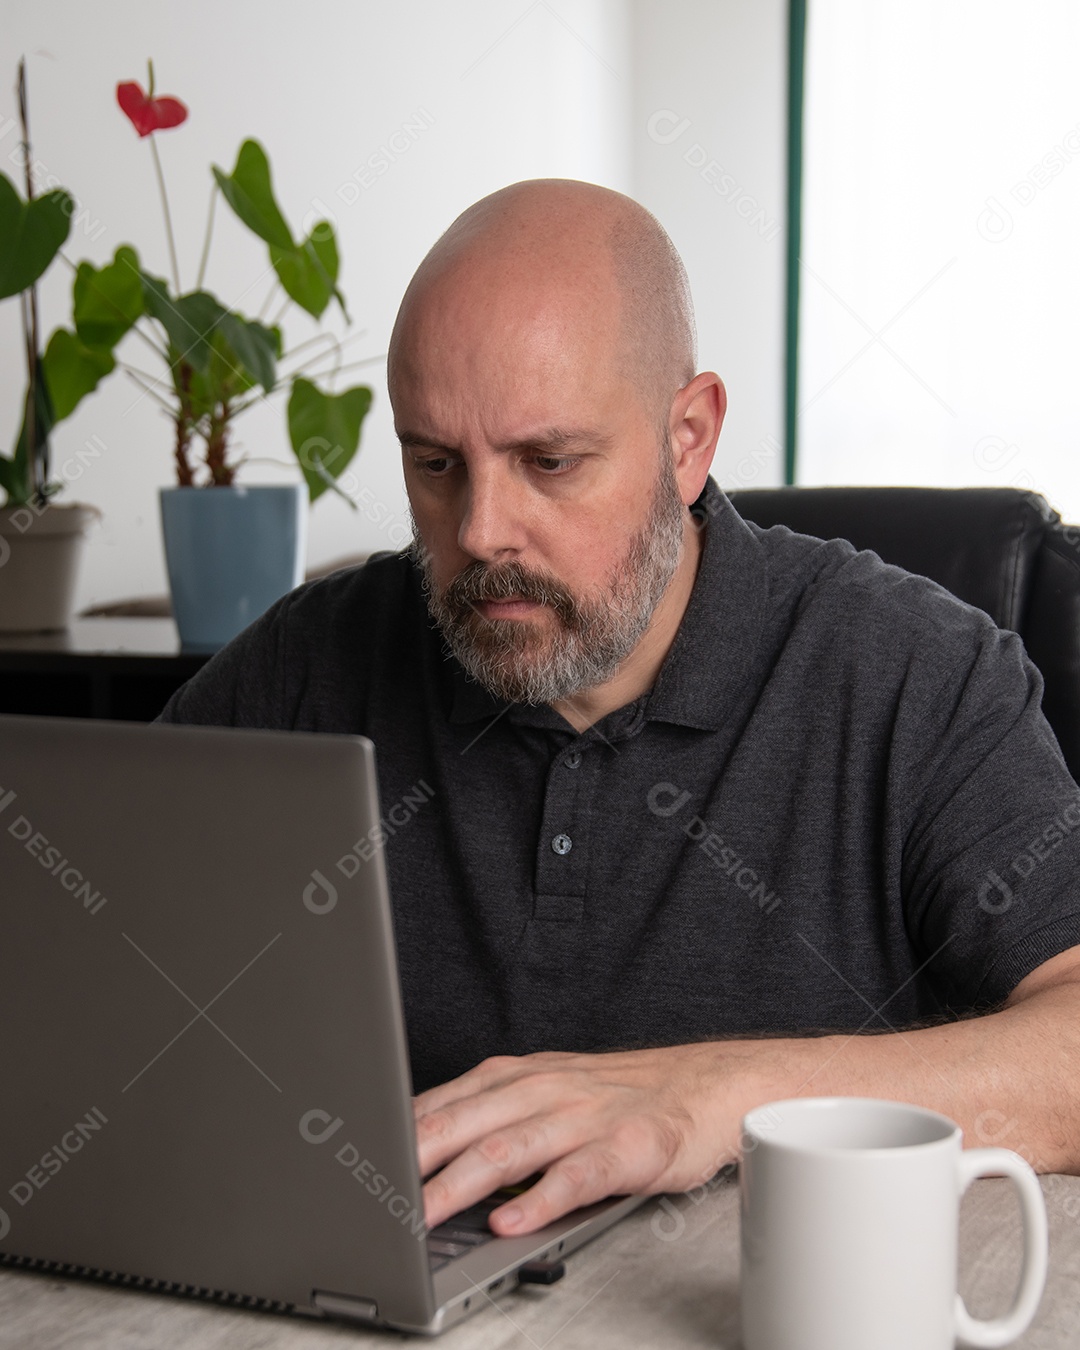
point(325, 431)
point(72, 370)
point(309, 273)
point(108, 300)
point(249, 192)
point(255, 347)
point(9, 481)
point(188, 321)
point(30, 235)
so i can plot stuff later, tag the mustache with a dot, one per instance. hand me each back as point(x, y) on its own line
point(508, 581)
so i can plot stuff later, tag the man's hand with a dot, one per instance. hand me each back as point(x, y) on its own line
point(639, 1122)
point(625, 1123)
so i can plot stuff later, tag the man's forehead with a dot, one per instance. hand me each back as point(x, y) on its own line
point(528, 301)
point(545, 358)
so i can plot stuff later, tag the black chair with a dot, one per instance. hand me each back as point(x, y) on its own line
point(1002, 549)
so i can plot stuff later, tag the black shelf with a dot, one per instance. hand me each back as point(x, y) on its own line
point(121, 669)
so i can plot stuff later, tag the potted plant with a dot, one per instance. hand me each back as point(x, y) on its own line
point(40, 540)
point(231, 550)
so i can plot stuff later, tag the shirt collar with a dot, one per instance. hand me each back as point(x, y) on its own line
point(713, 651)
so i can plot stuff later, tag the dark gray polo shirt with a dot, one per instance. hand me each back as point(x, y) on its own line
point(839, 807)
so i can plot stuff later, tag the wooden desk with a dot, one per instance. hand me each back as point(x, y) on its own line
point(115, 668)
point(665, 1278)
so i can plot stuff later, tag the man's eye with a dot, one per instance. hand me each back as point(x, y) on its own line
point(553, 464)
point(435, 467)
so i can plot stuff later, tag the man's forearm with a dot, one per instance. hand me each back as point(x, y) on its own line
point(1010, 1078)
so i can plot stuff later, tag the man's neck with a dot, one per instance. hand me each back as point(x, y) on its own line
point(639, 671)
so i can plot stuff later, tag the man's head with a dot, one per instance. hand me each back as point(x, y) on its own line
point(542, 376)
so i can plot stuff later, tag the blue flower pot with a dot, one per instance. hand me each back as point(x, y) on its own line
point(231, 552)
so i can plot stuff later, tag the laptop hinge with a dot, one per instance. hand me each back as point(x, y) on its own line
point(346, 1305)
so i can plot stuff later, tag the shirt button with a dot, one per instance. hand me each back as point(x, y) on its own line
point(573, 759)
point(562, 844)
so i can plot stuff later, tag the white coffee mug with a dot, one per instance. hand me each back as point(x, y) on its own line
point(850, 1214)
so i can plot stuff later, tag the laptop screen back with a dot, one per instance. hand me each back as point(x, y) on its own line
point(203, 1058)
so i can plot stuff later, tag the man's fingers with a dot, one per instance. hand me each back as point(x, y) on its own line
point(590, 1173)
point(582, 1165)
point(443, 1131)
point(499, 1159)
point(594, 1125)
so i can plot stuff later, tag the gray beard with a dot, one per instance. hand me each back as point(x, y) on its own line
point(593, 635)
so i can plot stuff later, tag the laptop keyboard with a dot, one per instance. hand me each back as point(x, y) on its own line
point(464, 1231)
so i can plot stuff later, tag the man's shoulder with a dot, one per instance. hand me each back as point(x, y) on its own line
point(386, 578)
point(311, 661)
point(830, 580)
point(354, 603)
point(792, 611)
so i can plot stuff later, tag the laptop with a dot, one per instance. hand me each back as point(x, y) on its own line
point(204, 1063)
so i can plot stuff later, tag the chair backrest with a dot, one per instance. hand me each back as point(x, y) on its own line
point(1001, 549)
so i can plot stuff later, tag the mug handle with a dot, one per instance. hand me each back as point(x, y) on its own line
point(999, 1331)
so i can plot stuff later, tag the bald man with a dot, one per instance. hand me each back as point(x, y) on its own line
point(703, 801)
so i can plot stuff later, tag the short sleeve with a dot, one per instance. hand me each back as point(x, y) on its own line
point(991, 859)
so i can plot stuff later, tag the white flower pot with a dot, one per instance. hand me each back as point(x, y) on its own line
point(39, 562)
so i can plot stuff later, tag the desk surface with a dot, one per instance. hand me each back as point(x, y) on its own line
point(666, 1277)
point(100, 637)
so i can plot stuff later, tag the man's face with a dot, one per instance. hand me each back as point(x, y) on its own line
point(547, 514)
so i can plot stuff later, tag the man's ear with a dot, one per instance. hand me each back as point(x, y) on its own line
point(697, 414)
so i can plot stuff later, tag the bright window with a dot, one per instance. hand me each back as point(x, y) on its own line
point(939, 338)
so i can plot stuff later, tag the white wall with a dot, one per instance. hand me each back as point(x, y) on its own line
point(709, 129)
point(393, 118)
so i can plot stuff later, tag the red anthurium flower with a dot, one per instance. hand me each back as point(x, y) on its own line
point(149, 114)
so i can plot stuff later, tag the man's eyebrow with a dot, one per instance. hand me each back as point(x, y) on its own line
point(552, 439)
point(424, 442)
point(560, 438)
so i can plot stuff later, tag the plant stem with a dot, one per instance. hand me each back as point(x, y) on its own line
point(236, 409)
point(338, 343)
point(336, 366)
point(221, 473)
point(30, 481)
point(168, 217)
point(163, 352)
point(308, 342)
point(268, 459)
point(38, 457)
point(271, 294)
point(339, 370)
point(147, 386)
point(206, 242)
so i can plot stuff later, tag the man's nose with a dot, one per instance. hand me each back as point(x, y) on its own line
point(492, 528)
